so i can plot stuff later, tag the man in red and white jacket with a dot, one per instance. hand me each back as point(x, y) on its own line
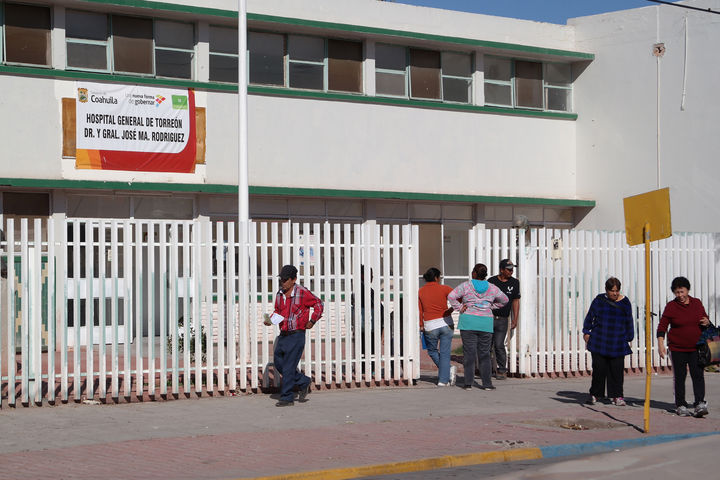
point(293, 303)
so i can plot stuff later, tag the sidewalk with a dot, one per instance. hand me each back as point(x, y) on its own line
point(247, 436)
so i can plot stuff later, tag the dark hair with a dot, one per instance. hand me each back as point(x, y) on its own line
point(679, 282)
point(479, 272)
point(432, 274)
point(612, 282)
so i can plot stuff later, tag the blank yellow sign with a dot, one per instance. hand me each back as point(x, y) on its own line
point(651, 207)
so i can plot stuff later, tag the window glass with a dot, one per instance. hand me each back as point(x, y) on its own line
point(557, 99)
point(344, 66)
point(558, 74)
point(27, 34)
point(173, 63)
point(267, 58)
point(456, 90)
point(86, 25)
point(424, 73)
point(390, 57)
point(174, 35)
point(223, 54)
point(498, 69)
point(223, 68)
point(83, 55)
point(309, 49)
point(497, 94)
point(223, 40)
point(132, 44)
point(390, 84)
point(456, 64)
point(303, 75)
point(528, 84)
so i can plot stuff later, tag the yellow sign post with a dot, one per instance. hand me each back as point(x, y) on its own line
point(647, 218)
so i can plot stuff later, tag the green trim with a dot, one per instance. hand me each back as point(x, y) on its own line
point(404, 102)
point(145, 4)
point(171, 7)
point(420, 36)
point(286, 191)
point(107, 77)
point(436, 197)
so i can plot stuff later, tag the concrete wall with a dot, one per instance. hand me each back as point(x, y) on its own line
point(627, 145)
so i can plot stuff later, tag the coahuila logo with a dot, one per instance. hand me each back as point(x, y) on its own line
point(179, 102)
point(158, 100)
point(82, 95)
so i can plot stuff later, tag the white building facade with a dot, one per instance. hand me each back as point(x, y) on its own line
point(362, 111)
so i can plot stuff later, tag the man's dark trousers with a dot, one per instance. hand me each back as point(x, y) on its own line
point(500, 329)
point(288, 350)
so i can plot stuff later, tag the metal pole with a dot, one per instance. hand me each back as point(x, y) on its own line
point(243, 196)
point(648, 327)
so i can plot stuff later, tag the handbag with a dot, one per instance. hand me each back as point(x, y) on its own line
point(708, 346)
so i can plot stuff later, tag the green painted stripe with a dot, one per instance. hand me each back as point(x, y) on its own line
point(285, 191)
point(420, 36)
point(108, 77)
point(404, 102)
point(171, 7)
point(144, 4)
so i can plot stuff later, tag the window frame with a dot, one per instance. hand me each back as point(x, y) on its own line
point(192, 51)
point(545, 85)
point(3, 31)
point(224, 54)
point(289, 61)
point(107, 43)
point(405, 72)
point(469, 78)
point(549, 86)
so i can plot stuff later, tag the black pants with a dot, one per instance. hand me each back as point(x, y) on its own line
point(607, 370)
point(680, 362)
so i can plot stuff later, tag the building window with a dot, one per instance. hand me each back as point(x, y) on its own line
point(313, 63)
point(174, 49)
point(430, 74)
point(27, 34)
point(100, 42)
point(86, 39)
point(456, 77)
point(223, 54)
point(132, 43)
point(526, 84)
point(267, 58)
point(306, 62)
point(424, 74)
point(391, 70)
point(558, 87)
point(345, 66)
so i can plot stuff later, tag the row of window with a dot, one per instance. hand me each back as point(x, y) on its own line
point(101, 42)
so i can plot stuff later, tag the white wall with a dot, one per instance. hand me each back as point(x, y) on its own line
point(617, 129)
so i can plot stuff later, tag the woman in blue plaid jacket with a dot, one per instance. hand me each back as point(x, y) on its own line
point(608, 329)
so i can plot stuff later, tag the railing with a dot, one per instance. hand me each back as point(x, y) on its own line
point(560, 273)
point(102, 309)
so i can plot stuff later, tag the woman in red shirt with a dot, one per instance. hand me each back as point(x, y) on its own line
point(685, 316)
point(435, 324)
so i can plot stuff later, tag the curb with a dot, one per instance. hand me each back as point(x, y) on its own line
point(448, 461)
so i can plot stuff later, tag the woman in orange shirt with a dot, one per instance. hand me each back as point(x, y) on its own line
point(436, 324)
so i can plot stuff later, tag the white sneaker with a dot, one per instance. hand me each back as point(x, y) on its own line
point(453, 374)
point(701, 409)
point(683, 411)
point(440, 384)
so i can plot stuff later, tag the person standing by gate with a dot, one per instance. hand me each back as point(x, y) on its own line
point(510, 286)
point(608, 329)
point(436, 324)
point(292, 310)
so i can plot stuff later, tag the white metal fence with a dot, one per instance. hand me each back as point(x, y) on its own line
point(121, 308)
point(116, 308)
point(560, 273)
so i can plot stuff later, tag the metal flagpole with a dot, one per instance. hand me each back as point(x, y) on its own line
point(243, 200)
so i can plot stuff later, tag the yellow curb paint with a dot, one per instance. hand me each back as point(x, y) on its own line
point(413, 465)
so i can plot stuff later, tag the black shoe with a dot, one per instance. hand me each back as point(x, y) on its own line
point(487, 387)
point(284, 403)
point(304, 392)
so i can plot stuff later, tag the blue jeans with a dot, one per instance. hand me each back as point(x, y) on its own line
point(439, 342)
point(288, 351)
